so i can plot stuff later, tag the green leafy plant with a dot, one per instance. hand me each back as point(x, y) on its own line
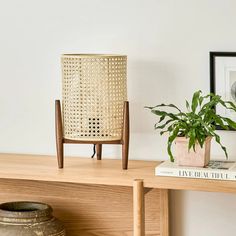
point(197, 123)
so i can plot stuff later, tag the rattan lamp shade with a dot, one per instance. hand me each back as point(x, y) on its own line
point(94, 91)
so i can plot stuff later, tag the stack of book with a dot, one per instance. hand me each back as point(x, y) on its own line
point(219, 170)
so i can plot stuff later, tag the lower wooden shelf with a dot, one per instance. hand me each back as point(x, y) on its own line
point(91, 198)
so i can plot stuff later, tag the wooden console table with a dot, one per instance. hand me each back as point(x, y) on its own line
point(98, 198)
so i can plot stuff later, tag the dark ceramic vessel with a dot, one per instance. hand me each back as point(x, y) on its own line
point(28, 219)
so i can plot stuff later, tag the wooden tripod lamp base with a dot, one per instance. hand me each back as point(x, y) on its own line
point(60, 140)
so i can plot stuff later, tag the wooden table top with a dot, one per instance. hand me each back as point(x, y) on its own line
point(105, 172)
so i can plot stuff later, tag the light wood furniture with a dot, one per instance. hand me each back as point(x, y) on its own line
point(96, 197)
point(91, 197)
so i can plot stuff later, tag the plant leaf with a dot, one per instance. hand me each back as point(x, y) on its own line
point(163, 113)
point(217, 138)
point(192, 139)
point(165, 105)
point(170, 141)
point(195, 100)
point(187, 105)
point(164, 125)
point(230, 122)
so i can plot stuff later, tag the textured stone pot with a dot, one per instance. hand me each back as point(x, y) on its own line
point(199, 158)
point(28, 219)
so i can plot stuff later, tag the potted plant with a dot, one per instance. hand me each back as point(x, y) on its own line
point(193, 130)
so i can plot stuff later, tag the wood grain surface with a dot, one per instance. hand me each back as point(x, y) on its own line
point(138, 208)
point(87, 210)
point(164, 212)
point(106, 172)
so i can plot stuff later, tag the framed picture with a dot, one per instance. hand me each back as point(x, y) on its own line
point(223, 80)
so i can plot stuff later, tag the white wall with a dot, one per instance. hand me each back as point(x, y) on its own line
point(167, 43)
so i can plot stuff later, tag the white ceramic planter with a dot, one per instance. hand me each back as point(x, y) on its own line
point(199, 158)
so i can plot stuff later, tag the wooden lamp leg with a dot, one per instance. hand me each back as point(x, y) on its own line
point(125, 137)
point(59, 134)
point(99, 151)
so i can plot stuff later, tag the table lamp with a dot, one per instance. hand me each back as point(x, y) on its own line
point(94, 107)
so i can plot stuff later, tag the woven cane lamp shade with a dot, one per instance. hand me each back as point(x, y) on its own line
point(94, 91)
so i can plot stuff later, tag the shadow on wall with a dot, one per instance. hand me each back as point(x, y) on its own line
point(149, 83)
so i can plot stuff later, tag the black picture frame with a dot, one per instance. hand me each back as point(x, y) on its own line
point(213, 55)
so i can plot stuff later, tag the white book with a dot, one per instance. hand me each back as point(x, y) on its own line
point(219, 170)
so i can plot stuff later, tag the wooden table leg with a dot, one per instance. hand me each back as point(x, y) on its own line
point(164, 212)
point(138, 208)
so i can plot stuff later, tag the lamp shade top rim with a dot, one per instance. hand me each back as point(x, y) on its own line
point(92, 55)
